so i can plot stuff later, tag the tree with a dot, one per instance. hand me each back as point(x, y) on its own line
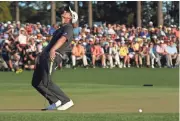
point(5, 14)
point(17, 10)
point(90, 19)
point(138, 13)
point(53, 12)
point(159, 14)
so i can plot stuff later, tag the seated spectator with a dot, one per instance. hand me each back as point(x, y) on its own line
point(16, 63)
point(136, 47)
point(144, 53)
point(123, 52)
point(114, 52)
point(98, 54)
point(29, 59)
point(78, 52)
point(6, 53)
point(171, 54)
point(152, 53)
point(161, 52)
point(131, 53)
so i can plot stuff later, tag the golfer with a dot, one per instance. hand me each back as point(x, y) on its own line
point(49, 59)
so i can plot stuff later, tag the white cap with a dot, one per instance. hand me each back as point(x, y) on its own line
point(162, 41)
point(95, 25)
point(151, 23)
point(22, 29)
point(111, 41)
point(8, 22)
point(122, 39)
point(74, 15)
point(87, 30)
point(155, 37)
point(18, 22)
point(6, 41)
point(90, 39)
point(123, 29)
point(144, 37)
point(122, 42)
point(5, 25)
point(76, 39)
point(169, 29)
point(44, 38)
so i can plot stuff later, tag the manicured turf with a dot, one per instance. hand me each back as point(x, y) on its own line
point(98, 94)
point(86, 117)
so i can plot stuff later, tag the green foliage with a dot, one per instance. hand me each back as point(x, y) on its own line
point(130, 19)
point(5, 14)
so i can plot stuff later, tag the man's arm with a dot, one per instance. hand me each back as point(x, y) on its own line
point(59, 43)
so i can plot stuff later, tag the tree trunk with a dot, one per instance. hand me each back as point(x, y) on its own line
point(90, 13)
point(53, 12)
point(17, 10)
point(159, 14)
point(138, 14)
point(76, 7)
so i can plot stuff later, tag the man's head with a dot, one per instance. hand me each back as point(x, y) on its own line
point(68, 16)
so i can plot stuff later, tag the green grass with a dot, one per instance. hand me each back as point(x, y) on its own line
point(98, 94)
point(86, 117)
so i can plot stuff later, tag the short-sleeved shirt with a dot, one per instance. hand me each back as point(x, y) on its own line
point(123, 51)
point(66, 31)
point(78, 51)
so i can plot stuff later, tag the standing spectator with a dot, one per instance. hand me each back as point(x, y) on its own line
point(52, 29)
point(76, 30)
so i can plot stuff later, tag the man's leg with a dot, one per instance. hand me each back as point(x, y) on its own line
point(148, 59)
point(54, 93)
point(158, 59)
point(152, 56)
point(177, 60)
point(93, 60)
point(73, 60)
point(84, 60)
point(169, 60)
point(110, 59)
point(140, 59)
point(36, 82)
point(117, 60)
point(103, 60)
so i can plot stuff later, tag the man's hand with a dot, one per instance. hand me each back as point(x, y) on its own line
point(52, 54)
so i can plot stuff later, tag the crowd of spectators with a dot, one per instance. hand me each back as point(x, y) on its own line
point(106, 46)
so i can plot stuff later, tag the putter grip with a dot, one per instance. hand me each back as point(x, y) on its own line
point(50, 69)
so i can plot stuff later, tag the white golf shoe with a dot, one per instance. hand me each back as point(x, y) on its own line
point(66, 105)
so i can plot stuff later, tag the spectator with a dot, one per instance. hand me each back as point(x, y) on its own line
point(123, 52)
point(78, 52)
point(161, 52)
point(171, 54)
point(152, 54)
point(98, 54)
